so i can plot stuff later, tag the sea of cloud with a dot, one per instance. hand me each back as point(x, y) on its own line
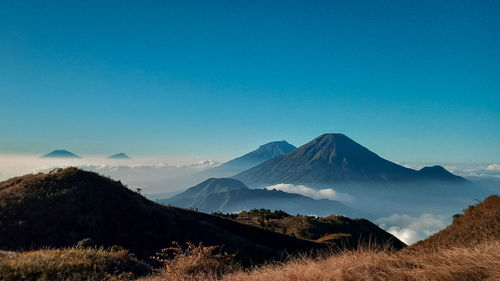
point(411, 229)
point(152, 174)
point(466, 169)
point(326, 193)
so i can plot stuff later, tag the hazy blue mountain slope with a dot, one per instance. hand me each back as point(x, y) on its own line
point(230, 195)
point(263, 153)
point(335, 158)
point(120, 155)
point(60, 154)
point(234, 166)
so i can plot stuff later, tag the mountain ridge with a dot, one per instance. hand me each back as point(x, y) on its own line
point(335, 158)
point(231, 195)
point(251, 159)
point(263, 153)
point(320, 229)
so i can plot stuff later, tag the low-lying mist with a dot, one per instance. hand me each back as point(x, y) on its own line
point(411, 212)
point(151, 174)
point(324, 193)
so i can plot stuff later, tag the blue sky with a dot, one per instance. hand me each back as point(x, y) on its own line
point(411, 80)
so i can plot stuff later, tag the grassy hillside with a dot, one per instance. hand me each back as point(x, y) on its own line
point(468, 250)
point(458, 264)
point(481, 262)
point(71, 264)
point(334, 230)
point(231, 196)
point(478, 224)
point(67, 205)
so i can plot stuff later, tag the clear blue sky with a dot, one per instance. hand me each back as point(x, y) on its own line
point(411, 80)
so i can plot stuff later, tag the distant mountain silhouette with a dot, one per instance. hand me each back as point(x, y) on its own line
point(230, 195)
point(120, 155)
point(60, 154)
point(237, 165)
point(66, 205)
point(438, 173)
point(263, 153)
point(335, 158)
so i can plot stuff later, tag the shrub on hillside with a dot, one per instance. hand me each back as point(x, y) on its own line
point(478, 263)
point(71, 264)
point(194, 262)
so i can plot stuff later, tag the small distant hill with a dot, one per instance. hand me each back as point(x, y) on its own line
point(120, 155)
point(438, 173)
point(196, 196)
point(478, 224)
point(335, 158)
point(60, 154)
point(230, 195)
point(62, 207)
point(336, 230)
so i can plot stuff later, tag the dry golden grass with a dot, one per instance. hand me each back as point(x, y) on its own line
point(70, 264)
point(194, 262)
point(481, 262)
point(478, 224)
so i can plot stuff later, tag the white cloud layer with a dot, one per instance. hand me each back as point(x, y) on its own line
point(465, 170)
point(494, 167)
point(152, 174)
point(412, 229)
point(327, 193)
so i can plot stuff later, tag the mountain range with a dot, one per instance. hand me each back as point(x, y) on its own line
point(263, 153)
point(60, 208)
point(333, 159)
point(230, 195)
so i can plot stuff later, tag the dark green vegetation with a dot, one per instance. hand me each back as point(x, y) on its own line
point(71, 264)
point(334, 230)
point(478, 224)
point(335, 158)
point(231, 195)
point(67, 205)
